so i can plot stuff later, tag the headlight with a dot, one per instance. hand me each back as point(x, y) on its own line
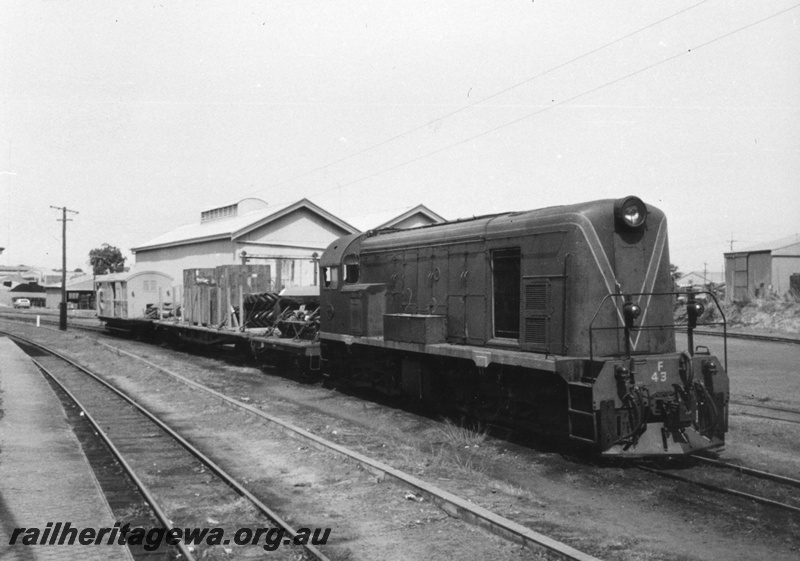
point(630, 212)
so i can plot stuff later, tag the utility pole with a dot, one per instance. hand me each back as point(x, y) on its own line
point(731, 241)
point(62, 321)
point(705, 274)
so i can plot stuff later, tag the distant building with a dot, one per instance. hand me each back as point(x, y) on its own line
point(420, 215)
point(27, 274)
point(410, 217)
point(289, 238)
point(763, 270)
point(701, 279)
point(80, 293)
point(13, 270)
point(30, 290)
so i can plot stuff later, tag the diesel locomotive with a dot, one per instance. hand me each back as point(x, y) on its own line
point(557, 321)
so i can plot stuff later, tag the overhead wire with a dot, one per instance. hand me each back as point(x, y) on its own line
point(557, 104)
point(484, 99)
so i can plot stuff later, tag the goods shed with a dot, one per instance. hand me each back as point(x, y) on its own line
point(286, 238)
point(763, 271)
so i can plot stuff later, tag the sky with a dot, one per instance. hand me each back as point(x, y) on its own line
point(140, 115)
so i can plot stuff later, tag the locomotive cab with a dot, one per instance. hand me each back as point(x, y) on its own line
point(350, 307)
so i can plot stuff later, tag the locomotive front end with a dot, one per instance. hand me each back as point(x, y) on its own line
point(648, 396)
point(668, 404)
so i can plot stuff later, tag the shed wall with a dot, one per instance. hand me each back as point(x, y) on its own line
point(783, 267)
point(759, 275)
point(173, 260)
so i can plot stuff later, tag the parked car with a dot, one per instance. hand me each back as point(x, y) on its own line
point(22, 303)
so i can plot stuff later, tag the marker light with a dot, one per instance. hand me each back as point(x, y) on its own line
point(630, 311)
point(630, 212)
point(694, 310)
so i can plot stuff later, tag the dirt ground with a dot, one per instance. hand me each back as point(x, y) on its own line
point(610, 511)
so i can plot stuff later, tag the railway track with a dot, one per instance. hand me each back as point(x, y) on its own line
point(138, 439)
point(49, 319)
point(451, 504)
point(779, 492)
point(746, 336)
point(770, 412)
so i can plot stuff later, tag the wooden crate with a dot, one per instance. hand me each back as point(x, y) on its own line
point(251, 279)
point(199, 296)
point(210, 294)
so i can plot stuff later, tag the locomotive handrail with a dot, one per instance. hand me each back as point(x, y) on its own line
point(690, 293)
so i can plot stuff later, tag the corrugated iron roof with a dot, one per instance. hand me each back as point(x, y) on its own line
point(83, 282)
point(128, 275)
point(773, 246)
point(232, 227)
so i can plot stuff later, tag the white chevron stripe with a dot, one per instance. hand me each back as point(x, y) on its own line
point(652, 273)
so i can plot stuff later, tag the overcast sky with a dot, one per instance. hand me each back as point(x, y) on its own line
point(139, 115)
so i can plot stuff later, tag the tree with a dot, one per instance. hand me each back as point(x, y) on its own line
point(106, 259)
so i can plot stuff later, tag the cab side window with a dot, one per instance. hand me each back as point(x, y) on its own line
point(330, 277)
point(351, 269)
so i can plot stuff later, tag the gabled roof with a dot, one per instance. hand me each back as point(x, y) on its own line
point(27, 287)
point(83, 282)
point(422, 210)
point(12, 269)
point(388, 219)
point(230, 228)
point(279, 212)
point(780, 246)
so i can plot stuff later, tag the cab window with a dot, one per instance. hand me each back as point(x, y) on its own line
point(330, 277)
point(351, 269)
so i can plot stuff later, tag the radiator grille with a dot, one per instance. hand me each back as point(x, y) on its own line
point(536, 322)
point(536, 331)
point(536, 297)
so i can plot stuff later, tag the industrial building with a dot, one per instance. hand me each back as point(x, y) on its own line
point(80, 293)
point(288, 238)
point(767, 270)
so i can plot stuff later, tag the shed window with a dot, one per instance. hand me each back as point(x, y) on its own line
point(330, 277)
point(506, 279)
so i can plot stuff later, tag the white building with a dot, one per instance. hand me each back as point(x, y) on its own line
point(289, 238)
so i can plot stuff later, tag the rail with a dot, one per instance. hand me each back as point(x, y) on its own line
point(453, 505)
point(194, 451)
